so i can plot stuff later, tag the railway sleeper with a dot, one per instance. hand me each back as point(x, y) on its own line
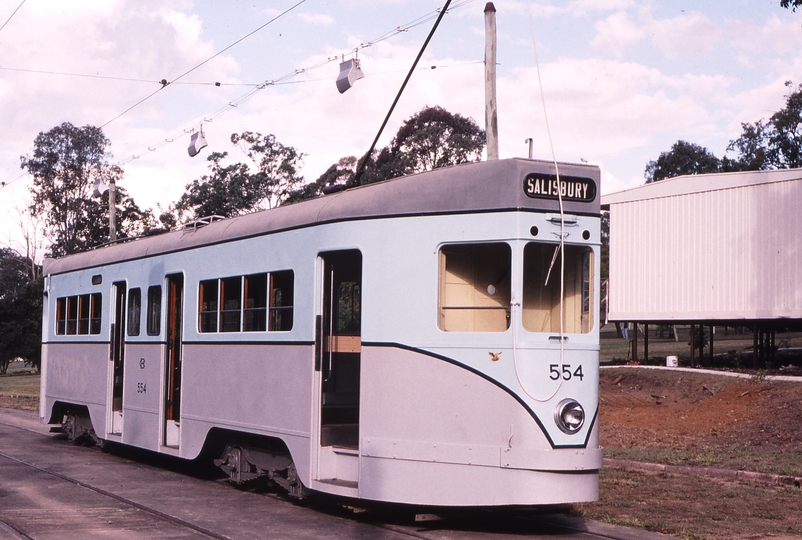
point(245, 463)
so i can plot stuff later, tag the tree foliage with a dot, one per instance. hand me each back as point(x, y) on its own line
point(20, 310)
point(772, 144)
point(276, 165)
point(239, 188)
point(428, 140)
point(64, 165)
point(683, 158)
point(775, 143)
point(793, 4)
point(227, 191)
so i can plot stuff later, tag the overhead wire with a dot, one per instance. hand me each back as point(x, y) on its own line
point(11, 16)
point(165, 83)
point(560, 248)
point(284, 78)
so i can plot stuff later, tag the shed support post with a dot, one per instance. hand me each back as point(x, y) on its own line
point(754, 347)
point(646, 343)
point(693, 345)
point(711, 344)
point(635, 342)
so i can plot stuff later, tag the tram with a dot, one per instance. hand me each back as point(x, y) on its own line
point(429, 340)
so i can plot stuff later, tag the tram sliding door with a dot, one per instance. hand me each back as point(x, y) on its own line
point(117, 357)
point(340, 349)
point(172, 380)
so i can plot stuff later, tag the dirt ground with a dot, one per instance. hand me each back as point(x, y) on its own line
point(684, 418)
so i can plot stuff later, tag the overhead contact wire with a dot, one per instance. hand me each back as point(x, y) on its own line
point(215, 55)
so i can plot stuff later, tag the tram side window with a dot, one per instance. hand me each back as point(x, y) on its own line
point(252, 303)
point(281, 301)
point(541, 299)
point(474, 288)
point(78, 315)
point(231, 303)
point(154, 310)
point(207, 318)
point(134, 310)
point(255, 309)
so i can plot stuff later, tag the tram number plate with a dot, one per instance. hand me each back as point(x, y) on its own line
point(567, 373)
point(141, 388)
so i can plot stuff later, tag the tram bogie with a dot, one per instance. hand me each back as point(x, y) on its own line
point(431, 339)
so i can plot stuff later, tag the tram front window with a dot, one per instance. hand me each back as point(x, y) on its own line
point(541, 294)
point(474, 288)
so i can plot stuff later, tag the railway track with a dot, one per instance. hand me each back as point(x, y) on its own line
point(52, 489)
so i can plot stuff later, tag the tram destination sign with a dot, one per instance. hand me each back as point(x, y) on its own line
point(572, 188)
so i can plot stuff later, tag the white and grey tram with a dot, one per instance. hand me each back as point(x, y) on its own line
point(400, 341)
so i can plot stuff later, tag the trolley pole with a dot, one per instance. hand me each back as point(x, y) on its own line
point(491, 106)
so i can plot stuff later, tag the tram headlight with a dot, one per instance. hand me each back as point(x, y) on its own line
point(569, 416)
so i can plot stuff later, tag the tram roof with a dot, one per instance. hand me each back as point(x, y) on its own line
point(489, 186)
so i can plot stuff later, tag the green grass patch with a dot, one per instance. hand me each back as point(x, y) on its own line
point(745, 458)
point(20, 385)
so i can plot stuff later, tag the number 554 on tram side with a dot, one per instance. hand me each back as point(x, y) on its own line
point(431, 340)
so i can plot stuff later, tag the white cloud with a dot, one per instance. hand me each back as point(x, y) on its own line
point(317, 19)
point(617, 33)
point(689, 35)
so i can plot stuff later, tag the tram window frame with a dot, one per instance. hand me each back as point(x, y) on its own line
point(134, 311)
point(254, 309)
point(475, 287)
point(79, 314)
point(230, 304)
point(208, 296)
point(282, 300)
point(250, 303)
point(540, 306)
point(154, 321)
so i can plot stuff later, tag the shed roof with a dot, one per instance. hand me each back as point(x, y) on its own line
point(698, 183)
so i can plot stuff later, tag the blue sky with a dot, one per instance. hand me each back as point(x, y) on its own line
point(623, 79)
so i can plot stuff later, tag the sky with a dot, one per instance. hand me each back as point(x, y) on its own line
point(622, 80)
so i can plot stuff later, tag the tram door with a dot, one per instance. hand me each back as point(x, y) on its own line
point(117, 357)
point(341, 345)
point(172, 396)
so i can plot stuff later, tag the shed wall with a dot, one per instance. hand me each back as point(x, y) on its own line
point(725, 254)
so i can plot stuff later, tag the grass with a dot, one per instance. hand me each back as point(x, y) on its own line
point(18, 390)
point(695, 508)
point(740, 457)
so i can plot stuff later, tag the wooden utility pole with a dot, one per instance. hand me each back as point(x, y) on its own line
point(491, 105)
point(112, 210)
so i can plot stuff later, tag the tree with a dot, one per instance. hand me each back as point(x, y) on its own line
point(228, 191)
point(785, 135)
point(774, 144)
point(751, 147)
point(277, 165)
point(683, 158)
point(20, 310)
point(65, 163)
point(793, 4)
point(232, 190)
point(337, 175)
point(430, 139)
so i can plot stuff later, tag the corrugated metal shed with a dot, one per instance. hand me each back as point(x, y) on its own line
point(715, 247)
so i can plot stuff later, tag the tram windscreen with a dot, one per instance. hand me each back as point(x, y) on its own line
point(474, 288)
point(541, 294)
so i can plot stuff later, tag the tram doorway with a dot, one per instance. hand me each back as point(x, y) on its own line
point(342, 345)
point(172, 379)
point(340, 350)
point(117, 357)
